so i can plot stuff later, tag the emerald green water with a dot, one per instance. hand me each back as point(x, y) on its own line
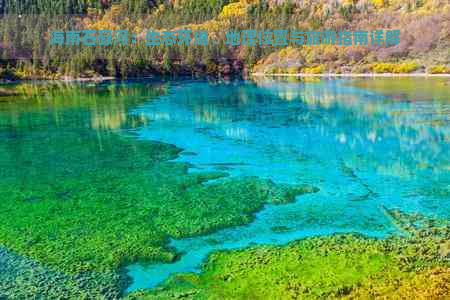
point(97, 177)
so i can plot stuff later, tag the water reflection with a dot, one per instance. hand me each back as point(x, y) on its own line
point(272, 125)
point(419, 128)
point(106, 105)
point(365, 151)
point(44, 123)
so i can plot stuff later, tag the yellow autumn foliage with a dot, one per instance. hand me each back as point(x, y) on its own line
point(314, 70)
point(439, 69)
point(406, 67)
point(234, 9)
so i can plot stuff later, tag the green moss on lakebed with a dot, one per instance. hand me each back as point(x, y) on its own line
point(345, 266)
point(79, 201)
point(97, 210)
point(23, 278)
point(77, 197)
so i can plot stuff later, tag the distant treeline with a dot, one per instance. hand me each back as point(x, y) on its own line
point(130, 6)
point(424, 24)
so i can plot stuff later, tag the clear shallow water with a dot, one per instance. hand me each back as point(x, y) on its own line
point(367, 152)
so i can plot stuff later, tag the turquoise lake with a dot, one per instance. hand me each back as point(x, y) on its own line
point(367, 150)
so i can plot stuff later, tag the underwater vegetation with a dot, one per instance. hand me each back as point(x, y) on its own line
point(99, 210)
point(80, 202)
point(83, 195)
point(345, 266)
point(23, 278)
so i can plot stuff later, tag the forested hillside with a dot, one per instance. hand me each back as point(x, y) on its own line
point(102, 6)
point(424, 45)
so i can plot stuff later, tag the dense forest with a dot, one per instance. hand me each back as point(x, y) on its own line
point(102, 6)
point(424, 46)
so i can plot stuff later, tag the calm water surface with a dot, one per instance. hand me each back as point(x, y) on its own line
point(369, 146)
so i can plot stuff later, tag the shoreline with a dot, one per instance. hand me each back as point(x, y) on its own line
point(85, 79)
point(68, 79)
point(351, 75)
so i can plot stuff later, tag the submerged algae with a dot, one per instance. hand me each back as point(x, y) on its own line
point(107, 200)
point(78, 196)
point(23, 278)
point(118, 204)
point(430, 284)
point(339, 266)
